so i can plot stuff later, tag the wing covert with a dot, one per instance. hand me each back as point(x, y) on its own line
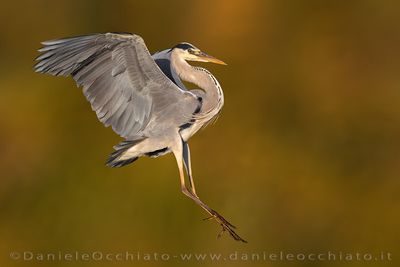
point(120, 79)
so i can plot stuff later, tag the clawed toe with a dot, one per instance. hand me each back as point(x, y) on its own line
point(221, 219)
point(221, 233)
point(226, 226)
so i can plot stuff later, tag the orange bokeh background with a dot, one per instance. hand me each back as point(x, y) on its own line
point(304, 158)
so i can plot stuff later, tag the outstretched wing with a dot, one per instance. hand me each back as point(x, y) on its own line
point(120, 79)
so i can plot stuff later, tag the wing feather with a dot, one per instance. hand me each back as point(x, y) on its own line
point(120, 79)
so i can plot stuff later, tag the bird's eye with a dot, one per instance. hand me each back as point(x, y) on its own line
point(191, 50)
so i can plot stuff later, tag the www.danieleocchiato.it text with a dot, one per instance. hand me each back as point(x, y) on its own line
point(35, 256)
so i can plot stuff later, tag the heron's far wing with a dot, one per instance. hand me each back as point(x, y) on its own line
point(120, 79)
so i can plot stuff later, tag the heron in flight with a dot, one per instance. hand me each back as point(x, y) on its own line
point(142, 97)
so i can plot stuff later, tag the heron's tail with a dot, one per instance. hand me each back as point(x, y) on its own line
point(116, 158)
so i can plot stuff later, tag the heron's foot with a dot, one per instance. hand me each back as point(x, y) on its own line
point(226, 226)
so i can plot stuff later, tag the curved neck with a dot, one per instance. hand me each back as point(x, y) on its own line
point(213, 97)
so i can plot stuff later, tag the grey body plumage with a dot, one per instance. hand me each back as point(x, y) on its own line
point(142, 97)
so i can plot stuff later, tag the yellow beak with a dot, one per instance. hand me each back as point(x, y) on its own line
point(207, 58)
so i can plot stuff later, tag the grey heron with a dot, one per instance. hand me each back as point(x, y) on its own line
point(142, 97)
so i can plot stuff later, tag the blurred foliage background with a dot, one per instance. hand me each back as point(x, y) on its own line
point(304, 158)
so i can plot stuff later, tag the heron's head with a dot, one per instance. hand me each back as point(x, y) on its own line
point(191, 53)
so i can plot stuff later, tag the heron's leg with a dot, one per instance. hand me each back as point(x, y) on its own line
point(178, 153)
point(177, 149)
point(188, 166)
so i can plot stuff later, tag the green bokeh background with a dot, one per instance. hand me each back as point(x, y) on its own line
point(304, 158)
